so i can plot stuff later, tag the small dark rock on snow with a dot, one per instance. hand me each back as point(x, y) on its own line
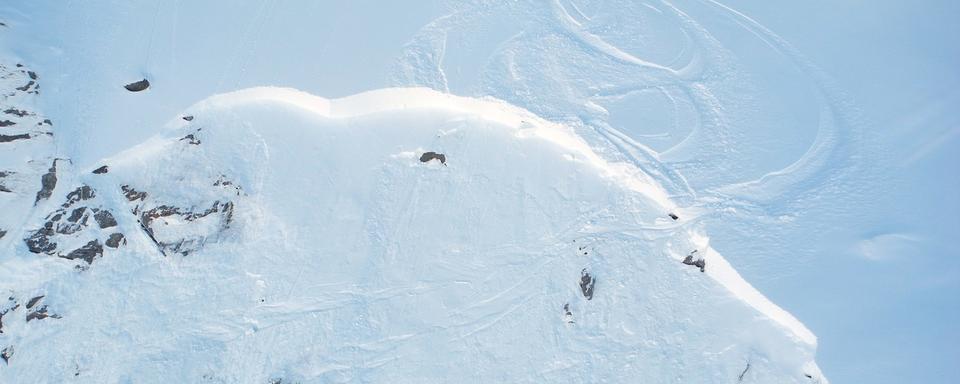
point(427, 156)
point(137, 86)
point(700, 263)
point(586, 284)
point(40, 314)
point(6, 354)
point(34, 301)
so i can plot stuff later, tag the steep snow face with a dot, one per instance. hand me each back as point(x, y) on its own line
point(269, 234)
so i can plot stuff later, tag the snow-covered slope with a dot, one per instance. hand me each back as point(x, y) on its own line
point(521, 232)
point(271, 234)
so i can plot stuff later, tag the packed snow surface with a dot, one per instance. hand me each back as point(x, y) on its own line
point(345, 258)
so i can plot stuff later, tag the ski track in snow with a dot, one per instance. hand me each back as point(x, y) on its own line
point(832, 165)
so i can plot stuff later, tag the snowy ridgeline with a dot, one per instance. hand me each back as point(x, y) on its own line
point(270, 235)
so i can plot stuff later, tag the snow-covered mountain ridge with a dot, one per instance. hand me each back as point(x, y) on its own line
point(271, 234)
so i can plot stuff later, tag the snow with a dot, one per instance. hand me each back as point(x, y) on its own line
point(334, 254)
point(349, 259)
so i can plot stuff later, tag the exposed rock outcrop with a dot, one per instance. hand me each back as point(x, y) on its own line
point(183, 230)
point(586, 284)
point(47, 183)
point(699, 262)
point(72, 221)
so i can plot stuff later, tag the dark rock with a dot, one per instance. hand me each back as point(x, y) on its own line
point(47, 122)
point(37, 315)
point(162, 211)
point(32, 74)
point(6, 123)
point(17, 112)
point(188, 118)
point(76, 214)
point(26, 87)
point(82, 192)
point(132, 194)
point(137, 86)
point(40, 314)
point(101, 170)
point(740, 378)
point(105, 219)
point(87, 253)
point(567, 315)
point(6, 354)
point(700, 263)
point(586, 284)
point(427, 156)
point(4, 188)
point(191, 139)
point(39, 241)
point(186, 245)
point(47, 183)
point(222, 181)
point(71, 228)
point(34, 301)
point(675, 217)
point(116, 240)
point(9, 138)
point(2, 233)
point(225, 208)
point(7, 310)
